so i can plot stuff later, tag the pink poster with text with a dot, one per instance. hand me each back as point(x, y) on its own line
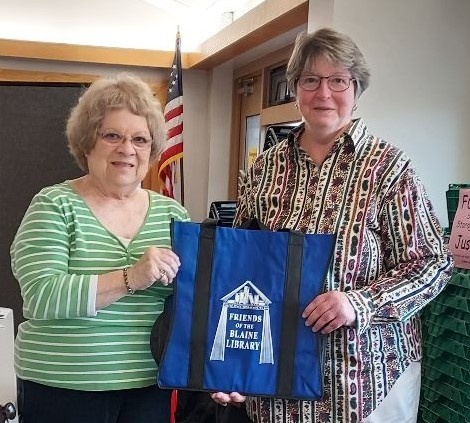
point(459, 243)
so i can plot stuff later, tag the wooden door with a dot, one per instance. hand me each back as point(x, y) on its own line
point(249, 122)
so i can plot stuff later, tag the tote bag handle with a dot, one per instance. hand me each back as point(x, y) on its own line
point(252, 223)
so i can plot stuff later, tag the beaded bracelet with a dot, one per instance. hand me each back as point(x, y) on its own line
point(130, 291)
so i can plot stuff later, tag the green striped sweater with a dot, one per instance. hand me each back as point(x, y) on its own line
point(58, 250)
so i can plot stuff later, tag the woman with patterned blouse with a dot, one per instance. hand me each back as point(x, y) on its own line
point(93, 260)
point(333, 176)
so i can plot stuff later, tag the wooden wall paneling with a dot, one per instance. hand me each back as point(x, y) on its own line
point(151, 180)
point(268, 115)
point(250, 105)
point(234, 143)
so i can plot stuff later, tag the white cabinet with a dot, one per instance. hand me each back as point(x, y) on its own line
point(7, 371)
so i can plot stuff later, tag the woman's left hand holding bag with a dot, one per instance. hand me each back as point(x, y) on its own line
point(156, 265)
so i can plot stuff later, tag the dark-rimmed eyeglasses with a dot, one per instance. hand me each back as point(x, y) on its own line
point(335, 83)
point(114, 138)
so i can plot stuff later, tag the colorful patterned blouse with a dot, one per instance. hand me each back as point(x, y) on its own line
point(389, 258)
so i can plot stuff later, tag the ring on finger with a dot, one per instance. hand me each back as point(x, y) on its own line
point(162, 274)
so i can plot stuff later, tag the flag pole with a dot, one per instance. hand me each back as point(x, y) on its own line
point(181, 159)
point(182, 181)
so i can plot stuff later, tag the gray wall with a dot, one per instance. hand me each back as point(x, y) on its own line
point(419, 97)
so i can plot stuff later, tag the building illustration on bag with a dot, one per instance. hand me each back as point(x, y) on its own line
point(244, 324)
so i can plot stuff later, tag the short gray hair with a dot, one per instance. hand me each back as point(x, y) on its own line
point(108, 93)
point(337, 48)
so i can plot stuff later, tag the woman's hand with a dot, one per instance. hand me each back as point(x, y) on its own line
point(156, 265)
point(329, 311)
point(233, 398)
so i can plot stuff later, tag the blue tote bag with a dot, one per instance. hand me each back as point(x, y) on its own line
point(236, 321)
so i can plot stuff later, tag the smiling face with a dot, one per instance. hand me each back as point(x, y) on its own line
point(120, 165)
point(324, 110)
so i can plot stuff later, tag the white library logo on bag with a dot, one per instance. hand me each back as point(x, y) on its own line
point(244, 324)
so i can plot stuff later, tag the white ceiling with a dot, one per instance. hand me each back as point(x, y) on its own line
point(212, 8)
point(147, 24)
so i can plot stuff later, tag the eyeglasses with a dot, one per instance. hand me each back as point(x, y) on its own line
point(335, 83)
point(113, 138)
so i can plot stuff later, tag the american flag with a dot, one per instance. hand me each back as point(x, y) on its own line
point(170, 164)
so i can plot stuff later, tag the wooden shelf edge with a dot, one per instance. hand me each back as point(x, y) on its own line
point(90, 54)
point(13, 75)
point(281, 113)
point(40, 77)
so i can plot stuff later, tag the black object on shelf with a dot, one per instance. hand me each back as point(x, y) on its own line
point(275, 134)
point(278, 91)
point(224, 211)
